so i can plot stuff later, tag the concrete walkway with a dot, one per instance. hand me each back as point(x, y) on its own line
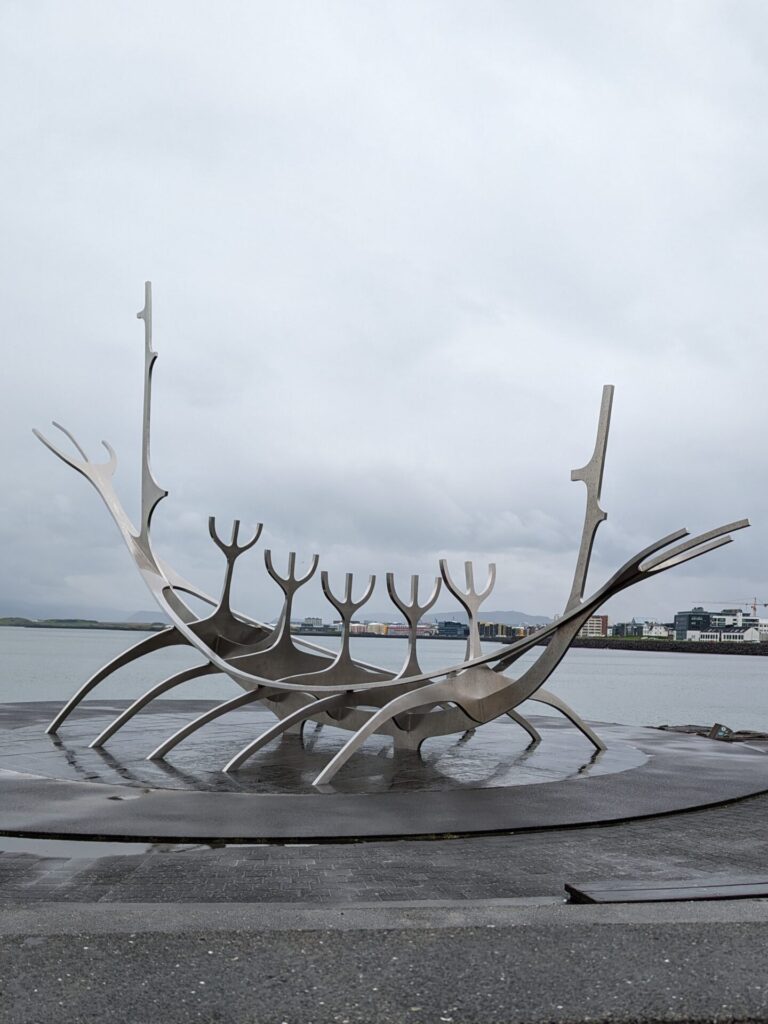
point(448, 962)
point(452, 930)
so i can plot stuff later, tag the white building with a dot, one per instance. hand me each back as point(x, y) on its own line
point(726, 635)
point(656, 631)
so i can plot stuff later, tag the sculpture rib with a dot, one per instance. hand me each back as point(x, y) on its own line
point(240, 701)
point(167, 638)
point(398, 706)
point(159, 688)
point(296, 717)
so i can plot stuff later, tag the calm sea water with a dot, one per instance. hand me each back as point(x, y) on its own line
point(636, 688)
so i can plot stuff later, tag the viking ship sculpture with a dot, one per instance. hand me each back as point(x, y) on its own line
point(300, 681)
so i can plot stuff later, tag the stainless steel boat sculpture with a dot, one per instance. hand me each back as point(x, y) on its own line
point(300, 681)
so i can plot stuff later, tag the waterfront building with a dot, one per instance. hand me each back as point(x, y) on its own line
point(693, 625)
point(450, 630)
point(733, 617)
point(596, 626)
point(727, 634)
point(500, 631)
point(657, 631)
point(686, 622)
point(627, 629)
point(401, 629)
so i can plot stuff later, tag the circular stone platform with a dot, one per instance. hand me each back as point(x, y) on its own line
point(489, 780)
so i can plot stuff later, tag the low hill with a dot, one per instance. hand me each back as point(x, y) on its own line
point(508, 618)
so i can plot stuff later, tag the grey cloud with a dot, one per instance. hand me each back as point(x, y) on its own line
point(397, 249)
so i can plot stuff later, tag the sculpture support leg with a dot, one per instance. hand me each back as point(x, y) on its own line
point(150, 644)
point(545, 697)
point(407, 702)
point(525, 724)
point(260, 693)
point(296, 717)
point(167, 684)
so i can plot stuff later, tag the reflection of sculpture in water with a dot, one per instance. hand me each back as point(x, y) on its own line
point(496, 756)
point(300, 681)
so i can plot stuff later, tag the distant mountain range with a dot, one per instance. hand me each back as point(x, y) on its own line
point(508, 618)
point(155, 616)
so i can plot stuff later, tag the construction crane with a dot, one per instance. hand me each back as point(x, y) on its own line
point(754, 604)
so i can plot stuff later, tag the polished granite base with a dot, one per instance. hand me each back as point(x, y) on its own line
point(488, 780)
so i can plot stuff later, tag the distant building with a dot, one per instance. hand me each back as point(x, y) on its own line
point(595, 626)
point(727, 634)
point(657, 631)
point(733, 617)
point(500, 631)
point(310, 625)
point(450, 630)
point(693, 625)
point(627, 628)
point(401, 629)
point(694, 620)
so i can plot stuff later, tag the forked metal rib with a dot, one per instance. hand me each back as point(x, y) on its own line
point(470, 600)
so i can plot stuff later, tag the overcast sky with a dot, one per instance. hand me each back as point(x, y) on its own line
point(397, 249)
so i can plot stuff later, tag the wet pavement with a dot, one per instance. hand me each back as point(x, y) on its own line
point(467, 929)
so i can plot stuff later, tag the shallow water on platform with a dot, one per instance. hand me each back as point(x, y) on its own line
point(635, 687)
point(498, 755)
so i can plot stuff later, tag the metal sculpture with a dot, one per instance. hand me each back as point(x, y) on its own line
point(301, 681)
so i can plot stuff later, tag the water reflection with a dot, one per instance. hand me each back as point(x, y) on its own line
point(496, 755)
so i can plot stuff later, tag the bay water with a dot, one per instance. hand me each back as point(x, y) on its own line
point(632, 687)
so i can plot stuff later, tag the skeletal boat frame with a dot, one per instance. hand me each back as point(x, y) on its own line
point(301, 681)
